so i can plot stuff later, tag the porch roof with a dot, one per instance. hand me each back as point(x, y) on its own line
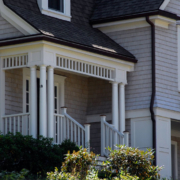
point(77, 32)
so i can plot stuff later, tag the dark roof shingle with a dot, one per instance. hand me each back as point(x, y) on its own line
point(77, 31)
point(108, 9)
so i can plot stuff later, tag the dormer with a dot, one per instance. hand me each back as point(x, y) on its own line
point(60, 9)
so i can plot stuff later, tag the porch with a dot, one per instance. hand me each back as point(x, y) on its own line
point(43, 110)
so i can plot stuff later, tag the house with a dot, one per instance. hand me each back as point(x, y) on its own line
point(97, 72)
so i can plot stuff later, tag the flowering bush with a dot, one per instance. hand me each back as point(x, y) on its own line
point(134, 161)
point(79, 162)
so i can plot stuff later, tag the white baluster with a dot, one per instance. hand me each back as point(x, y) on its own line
point(58, 130)
point(75, 134)
point(14, 125)
point(71, 131)
point(6, 125)
point(18, 123)
point(126, 138)
point(68, 129)
point(61, 129)
point(10, 124)
point(65, 136)
point(82, 138)
point(78, 136)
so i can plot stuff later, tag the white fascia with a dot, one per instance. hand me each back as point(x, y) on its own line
point(43, 5)
point(16, 21)
point(164, 4)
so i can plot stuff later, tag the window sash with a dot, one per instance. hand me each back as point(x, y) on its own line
point(57, 5)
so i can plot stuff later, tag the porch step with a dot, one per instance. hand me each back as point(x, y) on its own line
point(100, 161)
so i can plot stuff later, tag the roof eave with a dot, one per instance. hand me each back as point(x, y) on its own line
point(35, 38)
point(132, 16)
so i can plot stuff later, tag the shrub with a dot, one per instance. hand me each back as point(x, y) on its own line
point(134, 161)
point(78, 162)
point(68, 145)
point(4, 175)
point(91, 175)
point(36, 155)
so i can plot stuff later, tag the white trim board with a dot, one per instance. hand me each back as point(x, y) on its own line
point(16, 21)
point(176, 158)
point(158, 20)
point(164, 4)
point(138, 113)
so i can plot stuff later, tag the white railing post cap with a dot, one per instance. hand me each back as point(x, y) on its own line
point(126, 132)
point(87, 124)
point(103, 117)
point(64, 109)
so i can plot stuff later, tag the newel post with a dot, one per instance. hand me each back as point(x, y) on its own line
point(126, 138)
point(64, 110)
point(103, 119)
point(87, 136)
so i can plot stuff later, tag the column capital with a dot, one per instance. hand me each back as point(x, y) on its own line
point(42, 66)
point(113, 82)
point(33, 67)
point(50, 67)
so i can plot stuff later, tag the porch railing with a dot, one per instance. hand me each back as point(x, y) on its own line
point(68, 128)
point(16, 123)
point(110, 137)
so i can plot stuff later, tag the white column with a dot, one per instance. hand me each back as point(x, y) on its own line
point(115, 104)
point(122, 107)
point(2, 96)
point(33, 102)
point(43, 110)
point(50, 102)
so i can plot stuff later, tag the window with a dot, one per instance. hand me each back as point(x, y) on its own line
point(60, 9)
point(57, 5)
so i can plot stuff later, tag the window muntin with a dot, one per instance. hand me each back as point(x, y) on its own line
point(57, 5)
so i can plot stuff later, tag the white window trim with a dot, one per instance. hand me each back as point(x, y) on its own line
point(43, 5)
point(58, 81)
point(176, 158)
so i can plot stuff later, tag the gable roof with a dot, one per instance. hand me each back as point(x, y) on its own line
point(109, 9)
point(78, 31)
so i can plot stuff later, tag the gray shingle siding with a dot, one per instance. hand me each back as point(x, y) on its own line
point(7, 30)
point(167, 95)
point(173, 7)
point(138, 42)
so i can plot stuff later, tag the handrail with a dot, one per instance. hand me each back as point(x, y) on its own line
point(15, 115)
point(68, 128)
point(110, 136)
point(60, 115)
point(16, 123)
point(74, 121)
point(110, 126)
